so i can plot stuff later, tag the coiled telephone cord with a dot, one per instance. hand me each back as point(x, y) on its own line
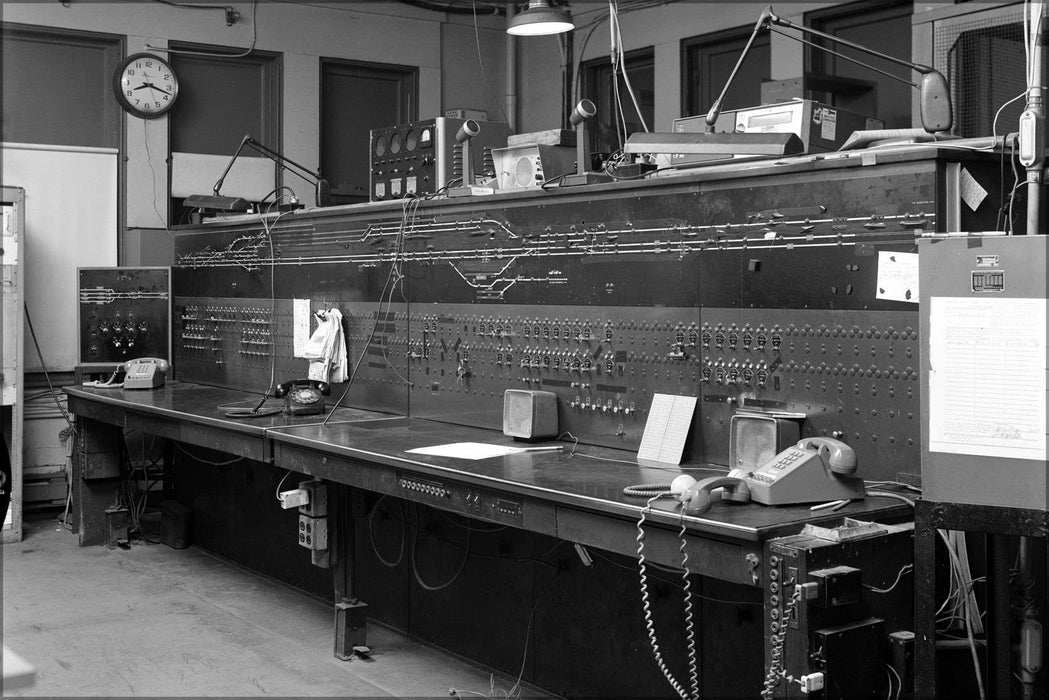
point(646, 606)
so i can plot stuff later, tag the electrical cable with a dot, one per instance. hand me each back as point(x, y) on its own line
point(280, 483)
point(480, 64)
point(415, 567)
point(905, 569)
point(149, 160)
point(371, 536)
point(392, 276)
point(216, 54)
point(968, 616)
point(515, 690)
point(43, 367)
point(189, 454)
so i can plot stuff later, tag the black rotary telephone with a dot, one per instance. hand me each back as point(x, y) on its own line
point(302, 397)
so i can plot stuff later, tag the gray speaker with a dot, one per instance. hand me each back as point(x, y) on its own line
point(757, 437)
point(529, 415)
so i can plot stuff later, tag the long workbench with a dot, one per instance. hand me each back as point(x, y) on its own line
point(573, 495)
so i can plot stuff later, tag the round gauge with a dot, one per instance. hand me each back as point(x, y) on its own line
point(382, 142)
point(395, 143)
point(525, 173)
point(411, 140)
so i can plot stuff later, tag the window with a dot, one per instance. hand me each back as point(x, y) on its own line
point(83, 112)
point(598, 85)
point(222, 98)
point(707, 62)
point(883, 26)
point(356, 98)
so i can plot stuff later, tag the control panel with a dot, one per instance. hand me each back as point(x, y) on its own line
point(124, 312)
point(423, 157)
point(229, 342)
point(756, 291)
point(467, 500)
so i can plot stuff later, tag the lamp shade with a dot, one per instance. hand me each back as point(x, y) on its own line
point(540, 19)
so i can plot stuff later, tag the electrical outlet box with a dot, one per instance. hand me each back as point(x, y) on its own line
point(316, 505)
point(313, 532)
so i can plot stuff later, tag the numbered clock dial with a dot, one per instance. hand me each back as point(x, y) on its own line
point(145, 85)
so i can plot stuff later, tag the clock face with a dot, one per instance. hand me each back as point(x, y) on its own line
point(145, 85)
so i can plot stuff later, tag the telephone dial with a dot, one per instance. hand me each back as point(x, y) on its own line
point(815, 469)
point(303, 397)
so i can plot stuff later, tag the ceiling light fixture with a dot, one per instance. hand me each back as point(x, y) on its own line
point(540, 19)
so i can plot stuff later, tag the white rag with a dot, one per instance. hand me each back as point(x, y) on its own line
point(326, 349)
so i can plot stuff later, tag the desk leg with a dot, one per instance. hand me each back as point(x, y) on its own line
point(96, 478)
point(924, 602)
point(169, 469)
point(350, 623)
point(999, 650)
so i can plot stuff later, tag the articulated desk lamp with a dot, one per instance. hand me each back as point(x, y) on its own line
point(218, 202)
point(935, 102)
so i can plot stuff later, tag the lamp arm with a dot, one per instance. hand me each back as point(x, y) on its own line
point(281, 159)
point(780, 22)
point(935, 102)
point(935, 95)
point(844, 57)
point(715, 109)
point(236, 154)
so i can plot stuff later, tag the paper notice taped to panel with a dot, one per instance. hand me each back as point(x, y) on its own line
point(300, 335)
point(987, 382)
point(897, 276)
point(667, 428)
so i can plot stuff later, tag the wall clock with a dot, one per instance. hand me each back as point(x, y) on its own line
point(145, 85)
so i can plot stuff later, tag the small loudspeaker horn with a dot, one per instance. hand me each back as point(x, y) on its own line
point(529, 415)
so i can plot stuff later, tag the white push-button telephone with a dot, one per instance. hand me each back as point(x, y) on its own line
point(816, 469)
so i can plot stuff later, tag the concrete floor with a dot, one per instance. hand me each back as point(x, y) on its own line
point(154, 621)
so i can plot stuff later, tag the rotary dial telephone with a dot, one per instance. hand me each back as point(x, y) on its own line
point(816, 469)
point(303, 397)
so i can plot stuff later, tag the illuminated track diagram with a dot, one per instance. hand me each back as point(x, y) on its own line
point(102, 295)
point(488, 267)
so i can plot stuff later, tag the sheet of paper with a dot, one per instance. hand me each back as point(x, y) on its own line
point(467, 450)
point(897, 276)
point(667, 428)
point(987, 377)
point(300, 326)
point(972, 191)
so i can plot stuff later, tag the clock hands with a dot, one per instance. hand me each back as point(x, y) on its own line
point(151, 86)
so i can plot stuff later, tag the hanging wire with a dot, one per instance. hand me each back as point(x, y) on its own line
point(214, 54)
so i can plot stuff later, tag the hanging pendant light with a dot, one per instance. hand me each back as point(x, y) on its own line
point(540, 19)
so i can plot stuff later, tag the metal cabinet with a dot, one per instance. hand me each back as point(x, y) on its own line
point(12, 229)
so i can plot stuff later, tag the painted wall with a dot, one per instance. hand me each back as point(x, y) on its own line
point(443, 47)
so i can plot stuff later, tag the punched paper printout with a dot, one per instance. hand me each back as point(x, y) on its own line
point(987, 377)
point(669, 420)
point(301, 326)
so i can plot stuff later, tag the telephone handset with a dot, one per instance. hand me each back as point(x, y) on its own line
point(145, 372)
point(815, 469)
point(303, 397)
